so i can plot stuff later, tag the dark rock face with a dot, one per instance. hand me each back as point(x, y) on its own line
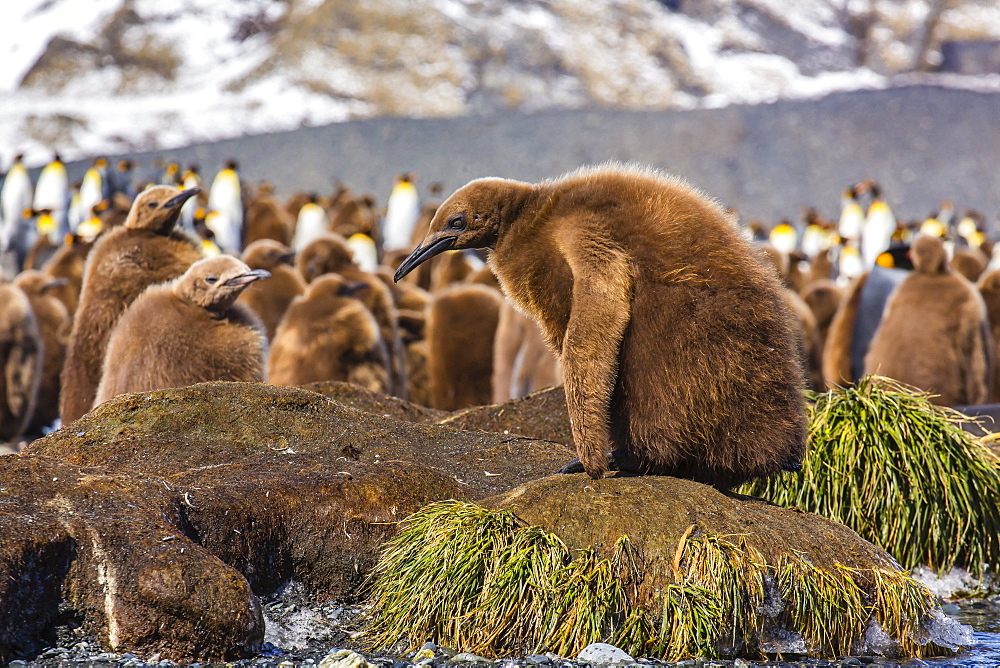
point(158, 517)
point(112, 548)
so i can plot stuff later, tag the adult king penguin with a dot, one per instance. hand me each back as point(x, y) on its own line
point(401, 214)
point(16, 198)
point(678, 350)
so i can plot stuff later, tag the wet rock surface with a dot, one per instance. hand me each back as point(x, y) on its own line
point(236, 522)
point(159, 518)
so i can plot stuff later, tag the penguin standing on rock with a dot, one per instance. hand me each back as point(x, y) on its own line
point(201, 333)
point(147, 249)
point(678, 351)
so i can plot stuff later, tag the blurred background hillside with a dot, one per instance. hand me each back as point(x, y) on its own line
point(119, 76)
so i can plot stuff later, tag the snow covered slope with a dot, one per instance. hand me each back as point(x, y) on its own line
point(102, 76)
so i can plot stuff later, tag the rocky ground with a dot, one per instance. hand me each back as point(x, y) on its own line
point(236, 523)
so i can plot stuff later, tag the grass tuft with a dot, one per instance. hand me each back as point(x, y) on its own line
point(482, 581)
point(900, 471)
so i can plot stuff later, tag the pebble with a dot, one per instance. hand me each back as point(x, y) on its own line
point(539, 659)
point(344, 658)
point(468, 657)
point(602, 654)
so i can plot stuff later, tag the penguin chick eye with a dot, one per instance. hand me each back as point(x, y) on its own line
point(211, 280)
point(151, 205)
point(457, 221)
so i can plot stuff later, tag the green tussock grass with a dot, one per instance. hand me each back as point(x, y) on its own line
point(482, 581)
point(900, 471)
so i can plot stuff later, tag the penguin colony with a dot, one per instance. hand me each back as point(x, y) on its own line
point(88, 265)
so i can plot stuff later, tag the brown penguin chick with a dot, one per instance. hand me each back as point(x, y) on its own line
point(461, 326)
point(270, 299)
point(837, 365)
point(989, 289)
point(677, 348)
point(266, 219)
point(123, 263)
point(934, 333)
point(331, 254)
point(328, 335)
point(823, 298)
point(54, 323)
point(349, 217)
point(116, 213)
point(522, 363)
point(969, 262)
point(21, 353)
point(809, 340)
point(821, 267)
point(68, 263)
point(200, 333)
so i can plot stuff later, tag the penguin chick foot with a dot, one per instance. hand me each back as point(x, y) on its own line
point(576, 466)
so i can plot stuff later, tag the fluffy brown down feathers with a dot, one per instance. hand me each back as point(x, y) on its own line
point(125, 261)
point(677, 347)
point(934, 333)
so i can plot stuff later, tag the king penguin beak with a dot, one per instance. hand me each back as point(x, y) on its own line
point(183, 197)
point(422, 254)
point(249, 277)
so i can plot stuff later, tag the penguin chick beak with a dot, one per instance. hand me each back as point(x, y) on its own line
point(249, 277)
point(421, 254)
point(183, 197)
point(352, 288)
point(54, 283)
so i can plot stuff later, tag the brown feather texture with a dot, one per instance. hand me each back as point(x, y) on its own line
point(201, 333)
point(678, 350)
point(935, 333)
point(327, 334)
point(124, 262)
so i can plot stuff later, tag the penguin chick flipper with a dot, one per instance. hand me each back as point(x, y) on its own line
point(599, 314)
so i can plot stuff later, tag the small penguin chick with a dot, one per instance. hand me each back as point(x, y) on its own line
point(270, 299)
point(327, 334)
point(201, 334)
point(145, 250)
point(935, 332)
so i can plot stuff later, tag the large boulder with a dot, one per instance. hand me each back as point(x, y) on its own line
point(113, 548)
point(175, 508)
point(659, 566)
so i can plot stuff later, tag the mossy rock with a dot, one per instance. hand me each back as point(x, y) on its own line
point(226, 490)
point(659, 566)
point(210, 424)
point(540, 415)
point(375, 403)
